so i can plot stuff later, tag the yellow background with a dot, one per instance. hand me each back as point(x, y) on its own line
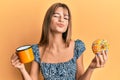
point(20, 24)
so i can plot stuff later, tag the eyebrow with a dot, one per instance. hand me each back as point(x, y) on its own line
point(59, 14)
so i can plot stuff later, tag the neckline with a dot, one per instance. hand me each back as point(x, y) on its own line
point(65, 62)
point(58, 62)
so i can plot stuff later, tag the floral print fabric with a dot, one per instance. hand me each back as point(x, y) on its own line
point(63, 70)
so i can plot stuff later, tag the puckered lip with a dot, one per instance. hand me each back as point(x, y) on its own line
point(60, 24)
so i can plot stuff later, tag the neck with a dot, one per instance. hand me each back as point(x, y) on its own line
point(56, 41)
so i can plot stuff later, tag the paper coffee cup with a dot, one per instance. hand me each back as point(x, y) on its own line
point(25, 53)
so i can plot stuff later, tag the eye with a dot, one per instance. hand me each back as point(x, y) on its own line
point(66, 18)
point(55, 15)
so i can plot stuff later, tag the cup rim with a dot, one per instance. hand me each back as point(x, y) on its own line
point(29, 46)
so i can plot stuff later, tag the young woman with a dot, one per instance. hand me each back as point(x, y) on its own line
point(57, 55)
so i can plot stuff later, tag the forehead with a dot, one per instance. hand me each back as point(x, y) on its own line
point(61, 10)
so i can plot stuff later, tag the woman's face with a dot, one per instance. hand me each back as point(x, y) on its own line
point(59, 20)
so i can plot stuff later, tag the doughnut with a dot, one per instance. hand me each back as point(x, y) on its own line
point(99, 45)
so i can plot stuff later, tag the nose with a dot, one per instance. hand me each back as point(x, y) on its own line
point(61, 19)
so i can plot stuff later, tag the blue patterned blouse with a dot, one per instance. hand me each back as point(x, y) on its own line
point(63, 70)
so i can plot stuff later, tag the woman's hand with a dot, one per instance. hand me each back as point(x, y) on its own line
point(99, 60)
point(15, 61)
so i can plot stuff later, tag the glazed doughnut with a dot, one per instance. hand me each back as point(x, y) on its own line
point(99, 45)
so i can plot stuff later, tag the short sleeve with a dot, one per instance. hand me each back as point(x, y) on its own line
point(79, 48)
point(36, 53)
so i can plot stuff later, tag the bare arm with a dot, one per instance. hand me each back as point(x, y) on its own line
point(81, 74)
point(26, 76)
point(80, 67)
point(34, 73)
point(97, 62)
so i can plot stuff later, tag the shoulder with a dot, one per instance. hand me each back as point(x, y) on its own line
point(79, 42)
point(35, 48)
point(79, 47)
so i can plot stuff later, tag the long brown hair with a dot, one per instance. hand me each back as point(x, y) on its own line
point(45, 26)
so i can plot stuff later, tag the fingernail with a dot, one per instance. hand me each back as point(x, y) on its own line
point(103, 51)
point(97, 54)
point(106, 51)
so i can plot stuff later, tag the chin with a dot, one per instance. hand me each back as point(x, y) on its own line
point(61, 31)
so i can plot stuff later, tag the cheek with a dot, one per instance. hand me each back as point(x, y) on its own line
point(66, 24)
point(53, 22)
point(52, 25)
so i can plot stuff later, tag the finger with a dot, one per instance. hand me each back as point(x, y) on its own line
point(17, 65)
point(93, 63)
point(16, 62)
point(13, 55)
point(106, 53)
point(97, 61)
point(104, 56)
point(15, 58)
point(101, 60)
